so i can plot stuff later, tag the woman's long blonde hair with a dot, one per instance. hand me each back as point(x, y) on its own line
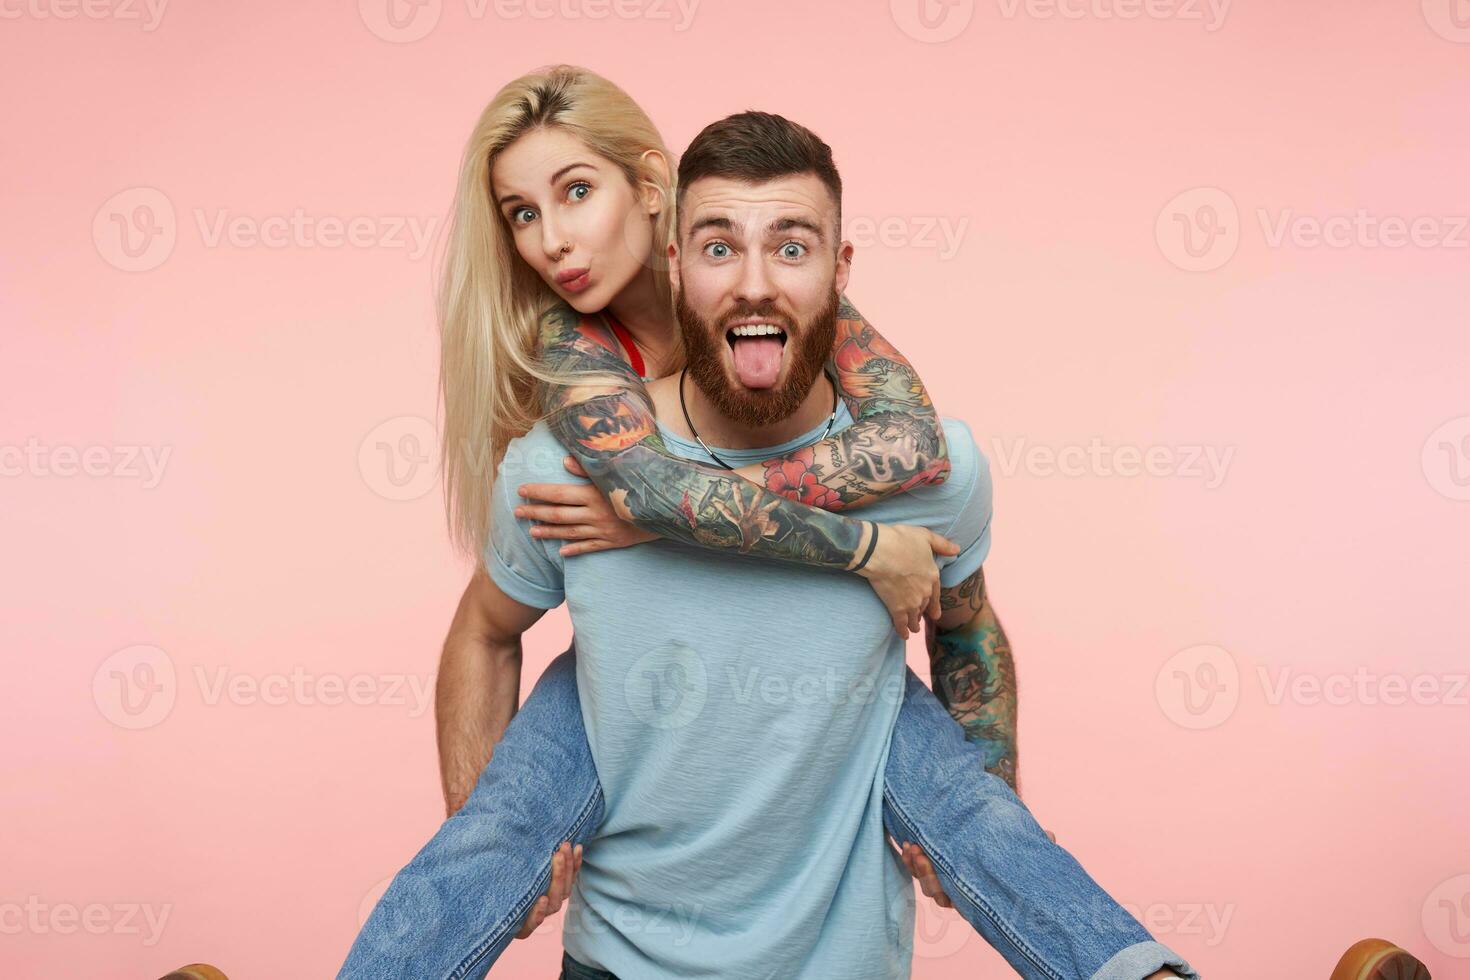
point(490, 302)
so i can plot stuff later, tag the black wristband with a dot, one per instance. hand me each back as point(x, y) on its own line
point(872, 545)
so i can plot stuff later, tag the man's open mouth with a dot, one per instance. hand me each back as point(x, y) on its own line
point(756, 348)
point(755, 330)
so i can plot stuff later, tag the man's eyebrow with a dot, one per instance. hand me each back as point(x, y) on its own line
point(786, 224)
point(508, 198)
point(777, 226)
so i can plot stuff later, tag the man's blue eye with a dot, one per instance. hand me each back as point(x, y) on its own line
point(717, 250)
point(793, 250)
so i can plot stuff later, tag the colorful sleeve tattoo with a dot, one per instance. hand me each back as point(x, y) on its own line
point(614, 437)
point(973, 674)
point(895, 443)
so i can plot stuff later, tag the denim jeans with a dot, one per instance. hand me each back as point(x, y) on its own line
point(454, 908)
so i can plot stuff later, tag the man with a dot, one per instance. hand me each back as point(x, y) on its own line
point(741, 713)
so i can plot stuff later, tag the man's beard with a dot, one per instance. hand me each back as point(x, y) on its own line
point(759, 406)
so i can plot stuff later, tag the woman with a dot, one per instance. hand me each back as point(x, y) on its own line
point(565, 201)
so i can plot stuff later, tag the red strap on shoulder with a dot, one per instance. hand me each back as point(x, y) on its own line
point(626, 339)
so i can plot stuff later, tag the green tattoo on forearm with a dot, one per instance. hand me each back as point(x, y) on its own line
point(974, 675)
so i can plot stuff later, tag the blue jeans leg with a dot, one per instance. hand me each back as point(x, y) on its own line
point(455, 907)
point(1028, 897)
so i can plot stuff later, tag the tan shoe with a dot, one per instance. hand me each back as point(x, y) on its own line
point(196, 971)
point(1378, 959)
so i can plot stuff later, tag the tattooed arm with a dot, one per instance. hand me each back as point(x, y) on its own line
point(895, 443)
point(612, 435)
point(611, 432)
point(973, 674)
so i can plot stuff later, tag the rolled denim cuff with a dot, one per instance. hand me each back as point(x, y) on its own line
point(1141, 959)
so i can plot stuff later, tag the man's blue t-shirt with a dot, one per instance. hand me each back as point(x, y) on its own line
point(739, 712)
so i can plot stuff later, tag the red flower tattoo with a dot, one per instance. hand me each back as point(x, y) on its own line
point(794, 476)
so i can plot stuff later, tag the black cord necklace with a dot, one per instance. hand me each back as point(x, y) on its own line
point(690, 422)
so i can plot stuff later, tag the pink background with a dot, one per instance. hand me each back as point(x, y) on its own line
point(1258, 829)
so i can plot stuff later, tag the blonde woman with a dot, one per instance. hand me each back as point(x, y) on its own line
point(556, 306)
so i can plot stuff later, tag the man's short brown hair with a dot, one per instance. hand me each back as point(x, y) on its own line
point(758, 146)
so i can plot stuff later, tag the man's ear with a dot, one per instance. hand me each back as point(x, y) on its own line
point(674, 266)
point(844, 265)
point(655, 192)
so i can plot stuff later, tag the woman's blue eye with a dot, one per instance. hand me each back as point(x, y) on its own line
point(522, 215)
point(793, 250)
point(579, 191)
point(717, 250)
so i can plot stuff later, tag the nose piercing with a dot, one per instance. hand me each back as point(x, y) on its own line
point(566, 247)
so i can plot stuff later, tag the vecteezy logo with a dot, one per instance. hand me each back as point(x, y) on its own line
point(1199, 230)
point(415, 900)
point(400, 21)
point(667, 687)
point(1446, 916)
point(135, 230)
point(135, 687)
point(396, 459)
point(932, 21)
point(1450, 19)
point(370, 901)
point(1198, 687)
point(1446, 459)
point(937, 933)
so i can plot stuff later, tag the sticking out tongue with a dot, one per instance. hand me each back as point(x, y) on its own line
point(757, 360)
